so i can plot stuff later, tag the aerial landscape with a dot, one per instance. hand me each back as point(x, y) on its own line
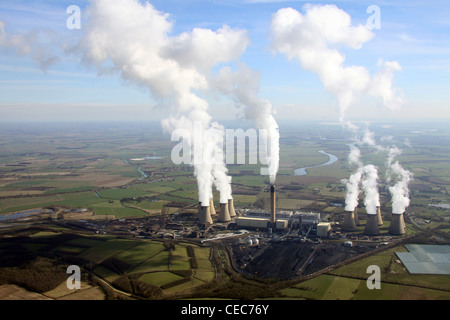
point(169, 151)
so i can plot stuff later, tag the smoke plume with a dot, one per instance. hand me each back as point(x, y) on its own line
point(365, 177)
point(353, 190)
point(401, 179)
point(135, 41)
point(312, 38)
point(243, 86)
point(370, 186)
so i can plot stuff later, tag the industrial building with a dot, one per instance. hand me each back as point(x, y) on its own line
point(261, 223)
point(324, 229)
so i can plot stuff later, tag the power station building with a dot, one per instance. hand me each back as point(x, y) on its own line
point(261, 223)
point(323, 229)
point(284, 219)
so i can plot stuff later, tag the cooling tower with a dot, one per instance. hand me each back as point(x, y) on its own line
point(349, 221)
point(398, 226)
point(273, 205)
point(372, 225)
point(199, 211)
point(211, 206)
point(231, 208)
point(356, 217)
point(205, 216)
point(380, 217)
point(224, 213)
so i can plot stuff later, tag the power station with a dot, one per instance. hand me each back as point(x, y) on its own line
point(273, 220)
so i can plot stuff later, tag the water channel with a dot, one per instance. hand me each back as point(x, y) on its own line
point(304, 172)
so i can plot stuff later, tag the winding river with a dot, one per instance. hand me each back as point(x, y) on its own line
point(139, 168)
point(304, 172)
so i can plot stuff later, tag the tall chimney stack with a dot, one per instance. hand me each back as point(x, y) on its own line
point(205, 215)
point(211, 206)
point(231, 208)
point(349, 221)
point(372, 225)
point(224, 213)
point(273, 205)
point(398, 226)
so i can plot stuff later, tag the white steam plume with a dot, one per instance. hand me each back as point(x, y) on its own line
point(370, 186)
point(398, 177)
point(365, 176)
point(353, 190)
point(310, 38)
point(134, 40)
point(400, 190)
point(243, 86)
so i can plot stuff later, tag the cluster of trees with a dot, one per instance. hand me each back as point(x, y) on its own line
point(39, 275)
point(132, 285)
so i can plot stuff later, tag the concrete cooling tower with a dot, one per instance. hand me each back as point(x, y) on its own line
point(199, 211)
point(211, 206)
point(231, 208)
point(349, 223)
point(372, 225)
point(224, 213)
point(356, 216)
point(398, 226)
point(205, 215)
point(380, 217)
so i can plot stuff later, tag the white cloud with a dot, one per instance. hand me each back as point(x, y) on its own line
point(313, 38)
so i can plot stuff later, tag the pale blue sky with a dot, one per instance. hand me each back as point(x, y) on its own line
point(414, 33)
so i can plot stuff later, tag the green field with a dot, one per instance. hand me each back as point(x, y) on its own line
point(56, 165)
point(349, 282)
point(164, 265)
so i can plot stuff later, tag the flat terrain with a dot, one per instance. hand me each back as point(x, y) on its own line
point(349, 282)
point(90, 166)
point(85, 172)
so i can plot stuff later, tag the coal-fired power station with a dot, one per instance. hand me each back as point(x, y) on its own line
point(273, 221)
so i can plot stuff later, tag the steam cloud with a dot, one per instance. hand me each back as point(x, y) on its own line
point(353, 190)
point(370, 186)
point(243, 86)
point(309, 38)
point(400, 190)
point(365, 177)
point(134, 40)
